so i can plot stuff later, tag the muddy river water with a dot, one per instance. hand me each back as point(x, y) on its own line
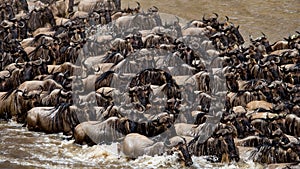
point(20, 148)
point(24, 149)
point(277, 19)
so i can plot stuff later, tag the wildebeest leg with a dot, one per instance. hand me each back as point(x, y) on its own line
point(81, 137)
point(70, 6)
point(232, 148)
point(108, 18)
point(118, 4)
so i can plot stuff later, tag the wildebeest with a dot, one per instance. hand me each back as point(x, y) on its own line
point(113, 57)
point(23, 72)
point(56, 97)
point(202, 80)
point(16, 103)
point(152, 76)
point(278, 148)
point(221, 144)
point(241, 98)
point(141, 21)
point(62, 118)
point(47, 85)
point(39, 18)
point(140, 95)
point(292, 125)
point(114, 128)
point(135, 145)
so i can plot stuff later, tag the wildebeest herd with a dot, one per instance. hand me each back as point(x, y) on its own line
point(103, 74)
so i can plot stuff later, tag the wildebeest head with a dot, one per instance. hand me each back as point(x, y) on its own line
point(212, 21)
point(235, 31)
point(171, 91)
point(261, 41)
point(141, 95)
point(22, 5)
point(27, 72)
point(28, 100)
point(204, 102)
point(231, 82)
point(104, 99)
point(65, 96)
point(38, 18)
point(163, 121)
point(183, 152)
point(43, 51)
point(9, 11)
point(40, 67)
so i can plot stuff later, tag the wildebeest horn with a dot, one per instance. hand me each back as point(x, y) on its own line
point(17, 63)
point(265, 64)
point(133, 88)
point(65, 94)
point(227, 18)
point(9, 74)
point(21, 24)
point(291, 90)
point(263, 34)
point(216, 15)
point(39, 63)
point(4, 24)
point(48, 59)
point(203, 18)
point(287, 39)
point(251, 38)
point(138, 5)
point(24, 93)
point(177, 18)
point(41, 88)
point(59, 41)
point(75, 41)
point(98, 69)
point(222, 132)
point(277, 60)
point(154, 9)
point(169, 146)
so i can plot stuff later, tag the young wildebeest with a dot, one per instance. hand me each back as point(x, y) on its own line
point(135, 145)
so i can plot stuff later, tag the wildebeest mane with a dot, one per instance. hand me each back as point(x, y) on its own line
point(62, 113)
point(37, 37)
point(7, 94)
point(104, 76)
point(145, 128)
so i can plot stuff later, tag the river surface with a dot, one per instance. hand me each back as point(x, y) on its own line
point(277, 19)
point(24, 149)
point(20, 148)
